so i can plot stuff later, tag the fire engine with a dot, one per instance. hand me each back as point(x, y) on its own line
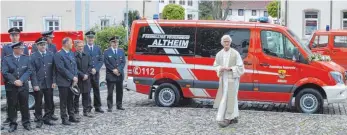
point(173, 60)
point(28, 39)
point(332, 43)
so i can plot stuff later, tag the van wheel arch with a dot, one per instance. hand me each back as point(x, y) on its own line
point(313, 86)
point(167, 80)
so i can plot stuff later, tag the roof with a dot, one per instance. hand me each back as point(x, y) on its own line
point(246, 4)
point(211, 22)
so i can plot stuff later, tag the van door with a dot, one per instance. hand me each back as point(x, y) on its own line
point(276, 72)
point(339, 51)
point(319, 44)
point(208, 44)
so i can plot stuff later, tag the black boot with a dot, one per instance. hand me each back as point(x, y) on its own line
point(48, 122)
point(27, 127)
point(73, 119)
point(12, 128)
point(120, 108)
point(54, 117)
point(66, 122)
point(99, 110)
point(87, 114)
point(39, 124)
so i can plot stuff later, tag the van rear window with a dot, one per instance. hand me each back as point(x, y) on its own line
point(340, 41)
point(163, 40)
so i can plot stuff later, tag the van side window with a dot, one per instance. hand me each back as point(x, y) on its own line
point(276, 44)
point(208, 42)
point(165, 40)
point(320, 41)
point(340, 41)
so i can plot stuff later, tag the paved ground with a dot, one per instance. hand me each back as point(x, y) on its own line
point(197, 117)
point(142, 117)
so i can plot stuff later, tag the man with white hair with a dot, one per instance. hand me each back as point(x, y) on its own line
point(229, 68)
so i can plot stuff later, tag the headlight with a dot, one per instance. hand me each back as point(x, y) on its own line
point(337, 77)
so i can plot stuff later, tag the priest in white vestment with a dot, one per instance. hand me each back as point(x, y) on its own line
point(229, 67)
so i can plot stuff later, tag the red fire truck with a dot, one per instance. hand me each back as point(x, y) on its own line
point(29, 39)
point(174, 60)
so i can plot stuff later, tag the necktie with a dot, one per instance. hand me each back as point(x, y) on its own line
point(17, 59)
point(115, 52)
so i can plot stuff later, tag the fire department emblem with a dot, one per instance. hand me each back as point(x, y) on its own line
point(137, 70)
point(282, 73)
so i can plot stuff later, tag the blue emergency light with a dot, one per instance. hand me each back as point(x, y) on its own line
point(263, 19)
point(327, 28)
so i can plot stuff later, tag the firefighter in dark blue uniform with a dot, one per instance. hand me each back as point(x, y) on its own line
point(15, 36)
point(95, 53)
point(114, 59)
point(16, 70)
point(43, 81)
point(66, 77)
point(50, 46)
point(7, 50)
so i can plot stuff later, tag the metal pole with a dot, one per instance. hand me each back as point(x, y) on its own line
point(127, 22)
point(278, 11)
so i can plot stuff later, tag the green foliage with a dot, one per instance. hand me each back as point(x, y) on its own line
point(272, 8)
point(173, 12)
point(102, 36)
point(213, 10)
point(132, 15)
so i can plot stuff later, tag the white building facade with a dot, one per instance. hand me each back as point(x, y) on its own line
point(304, 17)
point(247, 11)
point(31, 16)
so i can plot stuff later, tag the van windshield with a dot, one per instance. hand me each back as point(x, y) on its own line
point(303, 45)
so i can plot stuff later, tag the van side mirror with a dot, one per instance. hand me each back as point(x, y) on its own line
point(296, 54)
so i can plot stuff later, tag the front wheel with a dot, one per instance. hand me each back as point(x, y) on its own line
point(167, 95)
point(309, 100)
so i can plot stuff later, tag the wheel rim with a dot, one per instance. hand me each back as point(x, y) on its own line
point(309, 103)
point(31, 101)
point(167, 97)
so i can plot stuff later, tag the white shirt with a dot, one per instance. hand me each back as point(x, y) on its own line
point(66, 50)
point(114, 50)
point(16, 56)
point(43, 52)
point(91, 45)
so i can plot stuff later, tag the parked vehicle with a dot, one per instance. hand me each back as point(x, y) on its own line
point(174, 61)
point(332, 43)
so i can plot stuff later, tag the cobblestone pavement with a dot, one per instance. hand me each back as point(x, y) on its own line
point(196, 117)
point(143, 117)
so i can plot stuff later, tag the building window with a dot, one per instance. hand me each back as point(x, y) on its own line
point(311, 22)
point(254, 12)
point(161, 1)
point(52, 23)
point(230, 12)
point(182, 2)
point(190, 2)
point(190, 17)
point(266, 14)
point(240, 12)
point(344, 20)
point(104, 23)
point(172, 1)
point(17, 22)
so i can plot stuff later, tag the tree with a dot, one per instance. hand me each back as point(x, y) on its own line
point(212, 10)
point(102, 36)
point(173, 12)
point(272, 8)
point(132, 15)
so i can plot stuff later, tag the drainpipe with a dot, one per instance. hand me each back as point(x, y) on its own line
point(331, 14)
point(286, 13)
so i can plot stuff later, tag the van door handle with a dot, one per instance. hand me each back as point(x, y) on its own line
point(247, 63)
point(264, 64)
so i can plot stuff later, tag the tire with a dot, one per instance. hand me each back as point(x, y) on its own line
point(167, 95)
point(31, 101)
point(309, 101)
